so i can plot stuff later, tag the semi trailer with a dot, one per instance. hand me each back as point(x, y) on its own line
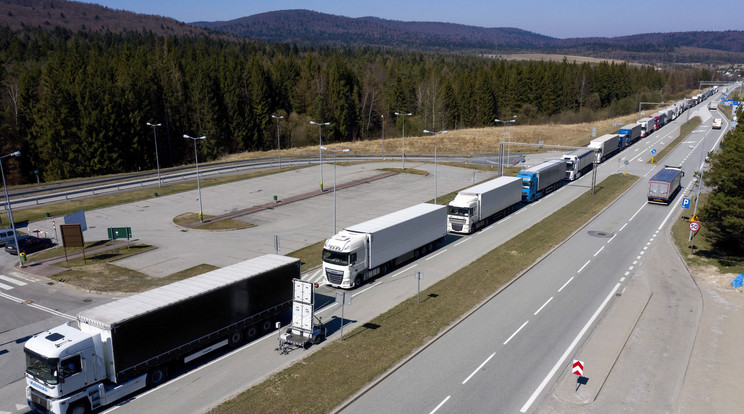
point(578, 162)
point(365, 250)
point(474, 207)
point(542, 179)
point(665, 184)
point(630, 133)
point(647, 126)
point(118, 348)
point(606, 146)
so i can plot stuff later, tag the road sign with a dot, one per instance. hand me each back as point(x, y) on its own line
point(694, 226)
point(653, 150)
point(694, 218)
point(685, 203)
point(577, 367)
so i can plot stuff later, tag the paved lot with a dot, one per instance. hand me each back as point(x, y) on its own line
point(298, 224)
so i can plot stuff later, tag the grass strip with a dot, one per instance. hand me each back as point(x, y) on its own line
point(342, 368)
point(685, 130)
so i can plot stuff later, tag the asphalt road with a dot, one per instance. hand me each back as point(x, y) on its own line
point(507, 354)
point(297, 224)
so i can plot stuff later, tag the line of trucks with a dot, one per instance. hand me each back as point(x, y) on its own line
point(113, 350)
point(374, 247)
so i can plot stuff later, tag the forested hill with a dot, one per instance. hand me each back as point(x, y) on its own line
point(73, 15)
point(309, 28)
point(306, 27)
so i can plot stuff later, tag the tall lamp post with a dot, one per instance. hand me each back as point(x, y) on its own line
point(334, 181)
point(278, 145)
point(320, 151)
point(7, 203)
point(383, 136)
point(435, 133)
point(403, 154)
point(505, 122)
point(157, 159)
point(198, 185)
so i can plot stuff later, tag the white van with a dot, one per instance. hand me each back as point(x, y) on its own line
point(5, 235)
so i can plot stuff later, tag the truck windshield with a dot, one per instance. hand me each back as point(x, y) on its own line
point(526, 183)
point(569, 166)
point(337, 258)
point(458, 211)
point(42, 368)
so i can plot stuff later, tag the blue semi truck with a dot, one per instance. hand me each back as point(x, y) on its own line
point(542, 179)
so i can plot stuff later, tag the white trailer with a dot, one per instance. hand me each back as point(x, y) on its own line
point(368, 249)
point(647, 126)
point(578, 162)
point(476, 206)
point(606, 145)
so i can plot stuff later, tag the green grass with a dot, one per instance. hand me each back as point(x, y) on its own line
point(684, 131)
point(406, 171)
point(342, 368)
point(703, 253)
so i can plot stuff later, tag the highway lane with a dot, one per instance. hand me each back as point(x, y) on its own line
point(497, 357)
point(385, 292)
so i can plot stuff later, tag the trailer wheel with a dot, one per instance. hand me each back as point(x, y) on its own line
point(156, 376)
point(267, 326)
point(251, 332)
point(235, 338)
point(79, 408)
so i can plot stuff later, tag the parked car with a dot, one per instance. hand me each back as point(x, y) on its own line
point(5, 235)
point(29, 244)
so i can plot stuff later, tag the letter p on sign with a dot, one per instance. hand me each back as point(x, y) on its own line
point(577, 367)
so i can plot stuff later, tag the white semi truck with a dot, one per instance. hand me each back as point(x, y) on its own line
point(476, 206)
point(369, 249)
point(118, 348)
point(606, 146)
point(579, 162)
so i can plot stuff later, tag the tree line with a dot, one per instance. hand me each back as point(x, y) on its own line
point(77, 104)
point(723, 214)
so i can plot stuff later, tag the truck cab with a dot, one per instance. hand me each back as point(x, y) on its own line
point(60, 364)
point(529, 185)
point(462, 213)
point(345, 259)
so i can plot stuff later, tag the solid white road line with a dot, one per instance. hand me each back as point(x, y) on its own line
point(565, 355)
point(478, 369)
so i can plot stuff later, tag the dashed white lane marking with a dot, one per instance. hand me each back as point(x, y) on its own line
point(440, 405)
point(478, 369)
point(582, 267)
point(435, 255)
point(515, 333)
point(598, 251)
point(544, 304)
point(565, 284)
point(403, 271)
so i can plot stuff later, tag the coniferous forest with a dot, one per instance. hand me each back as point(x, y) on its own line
point(77, 104)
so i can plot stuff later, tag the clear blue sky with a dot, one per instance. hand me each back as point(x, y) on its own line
point(562, 19)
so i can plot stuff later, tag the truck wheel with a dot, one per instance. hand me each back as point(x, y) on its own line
point(267, 326)
point(358, 281)
point(156, 376)
point(79, 408)
point(235, 338)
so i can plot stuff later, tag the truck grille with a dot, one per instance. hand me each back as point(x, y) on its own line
point(39, 402)
point(459, 221)
point(334, 276)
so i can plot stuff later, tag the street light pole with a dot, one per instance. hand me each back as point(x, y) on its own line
point(278, 145)
point(10, 210)
point(508, 147)
point(383, 136)
point(157, 158)
point(334, 181)
point(403, 154)
point(501, 164)
point(435, 133)
point(320, 151)
point(198, 185)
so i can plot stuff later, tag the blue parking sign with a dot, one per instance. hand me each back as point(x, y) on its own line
point(685, 203)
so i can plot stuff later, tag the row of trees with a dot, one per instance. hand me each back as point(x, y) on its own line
point(77, 103)
point(724, 212)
